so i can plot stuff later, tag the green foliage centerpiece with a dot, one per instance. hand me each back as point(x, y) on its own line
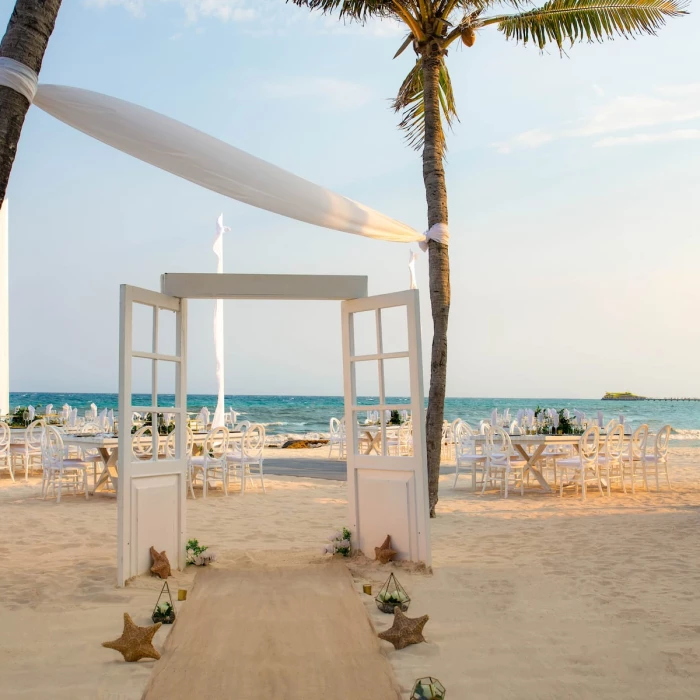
point(428, 689)
point(165, 610)
point(392, 595)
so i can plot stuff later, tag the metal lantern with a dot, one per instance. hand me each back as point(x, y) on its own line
point(164, 611)
point(392, 595)
point(428, 689)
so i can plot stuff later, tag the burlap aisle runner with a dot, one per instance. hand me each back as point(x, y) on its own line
point(268, 633)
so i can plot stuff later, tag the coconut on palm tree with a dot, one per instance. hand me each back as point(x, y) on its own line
point(427, 104)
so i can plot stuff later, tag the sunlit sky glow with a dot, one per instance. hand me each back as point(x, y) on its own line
point(573, 187)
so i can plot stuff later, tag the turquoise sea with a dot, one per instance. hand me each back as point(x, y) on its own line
point(305, 414)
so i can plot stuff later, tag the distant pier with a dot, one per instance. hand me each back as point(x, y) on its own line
point(628, 396)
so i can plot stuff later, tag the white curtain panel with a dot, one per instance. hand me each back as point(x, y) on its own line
point(214, 164)
point(218, 247)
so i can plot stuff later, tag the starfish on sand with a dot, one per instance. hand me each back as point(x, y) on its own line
point(135, 642)
point(161, 565)
point(405, 630)
point(385, 553)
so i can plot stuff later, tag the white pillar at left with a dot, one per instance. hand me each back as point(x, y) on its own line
point(4, 312)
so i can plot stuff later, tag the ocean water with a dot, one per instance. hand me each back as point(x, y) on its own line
point(310, 414)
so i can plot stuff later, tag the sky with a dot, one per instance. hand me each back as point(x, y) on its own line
point(573, 186)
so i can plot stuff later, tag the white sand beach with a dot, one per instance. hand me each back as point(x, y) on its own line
point(530, 597)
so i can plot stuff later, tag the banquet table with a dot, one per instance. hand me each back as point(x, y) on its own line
point(108, 447)
point(537, 444)
point(373, 436)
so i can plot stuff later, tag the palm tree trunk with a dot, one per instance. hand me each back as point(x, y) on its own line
point(25, 40)
point(439, 264)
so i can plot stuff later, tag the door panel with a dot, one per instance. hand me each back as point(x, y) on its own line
point(385, 424)
point(152, 473)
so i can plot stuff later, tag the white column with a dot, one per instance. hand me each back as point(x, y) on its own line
point(4, 312)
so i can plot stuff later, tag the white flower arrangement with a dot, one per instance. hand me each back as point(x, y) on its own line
point(339, 543)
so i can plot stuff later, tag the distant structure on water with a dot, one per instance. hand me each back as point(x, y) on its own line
point(628, 396)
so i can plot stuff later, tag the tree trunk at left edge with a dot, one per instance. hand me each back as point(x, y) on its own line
point(438, 266)
point(25, 40)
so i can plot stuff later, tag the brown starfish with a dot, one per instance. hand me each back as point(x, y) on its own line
point(405, 630)
point(135, 642)
point(385, 553)
point(161, 565)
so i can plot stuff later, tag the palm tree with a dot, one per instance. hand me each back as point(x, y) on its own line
point(427, 104)
point(25, 40)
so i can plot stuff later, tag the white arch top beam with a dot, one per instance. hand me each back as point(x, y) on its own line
point(190, 285)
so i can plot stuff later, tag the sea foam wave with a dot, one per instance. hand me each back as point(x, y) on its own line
point(685, 434)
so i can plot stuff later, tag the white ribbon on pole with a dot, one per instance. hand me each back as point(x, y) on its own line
point(218, 248)
point(437, 232)
point(18, 77)
point(412, 268)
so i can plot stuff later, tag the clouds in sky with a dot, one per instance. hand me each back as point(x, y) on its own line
point(334, 95)
point(666, 105)
point(225, 10)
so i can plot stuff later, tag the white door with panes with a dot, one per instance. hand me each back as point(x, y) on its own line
point(153, 474)
point(385, 424)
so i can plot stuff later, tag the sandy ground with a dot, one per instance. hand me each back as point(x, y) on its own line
point(533, 597)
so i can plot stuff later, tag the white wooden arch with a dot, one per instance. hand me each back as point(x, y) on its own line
point(387, 493)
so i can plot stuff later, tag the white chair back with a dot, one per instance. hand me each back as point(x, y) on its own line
point(5, 436)
point(142, 443)
point(254, 441)
point(51, 447)
point(638, 442)
point(485, 427)
point(334, 427)
point(615, 443)
point(35, 432)
point(498, 443)
point(92, 428)
point(588, 447)
point(216, 445)
point(661, 444)
point(170, 450)
point(242, 426)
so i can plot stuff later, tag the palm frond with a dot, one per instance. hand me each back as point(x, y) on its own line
point(359, 10)
point(410, 101)
point(586, 20)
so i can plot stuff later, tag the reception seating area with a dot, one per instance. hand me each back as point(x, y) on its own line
point(79, 455)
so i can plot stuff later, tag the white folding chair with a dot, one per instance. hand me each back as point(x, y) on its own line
point(5, 456)
point(658, 459)
point(584, 466)
point(211, 464)
point(58, 469)
point(466, 453)
point(29, 453)
point(142, 443)
point(337, 437)
point(610, 462)
point(502, 464)
point(633, 462)
point(171, 452)
point(248, 455)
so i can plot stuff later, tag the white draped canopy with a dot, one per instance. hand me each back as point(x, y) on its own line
point(195, 156)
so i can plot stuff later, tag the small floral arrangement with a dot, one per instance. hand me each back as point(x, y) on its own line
point(196, 554)
point(428, 689)
point(339, 543)
point(165, 613)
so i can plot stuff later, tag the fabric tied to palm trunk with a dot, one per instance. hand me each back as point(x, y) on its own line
point(437, 232)
point(18, 77)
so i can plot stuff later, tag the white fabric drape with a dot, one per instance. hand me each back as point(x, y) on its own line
point(218, 247)
point(214, 164)
point(412, 269)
